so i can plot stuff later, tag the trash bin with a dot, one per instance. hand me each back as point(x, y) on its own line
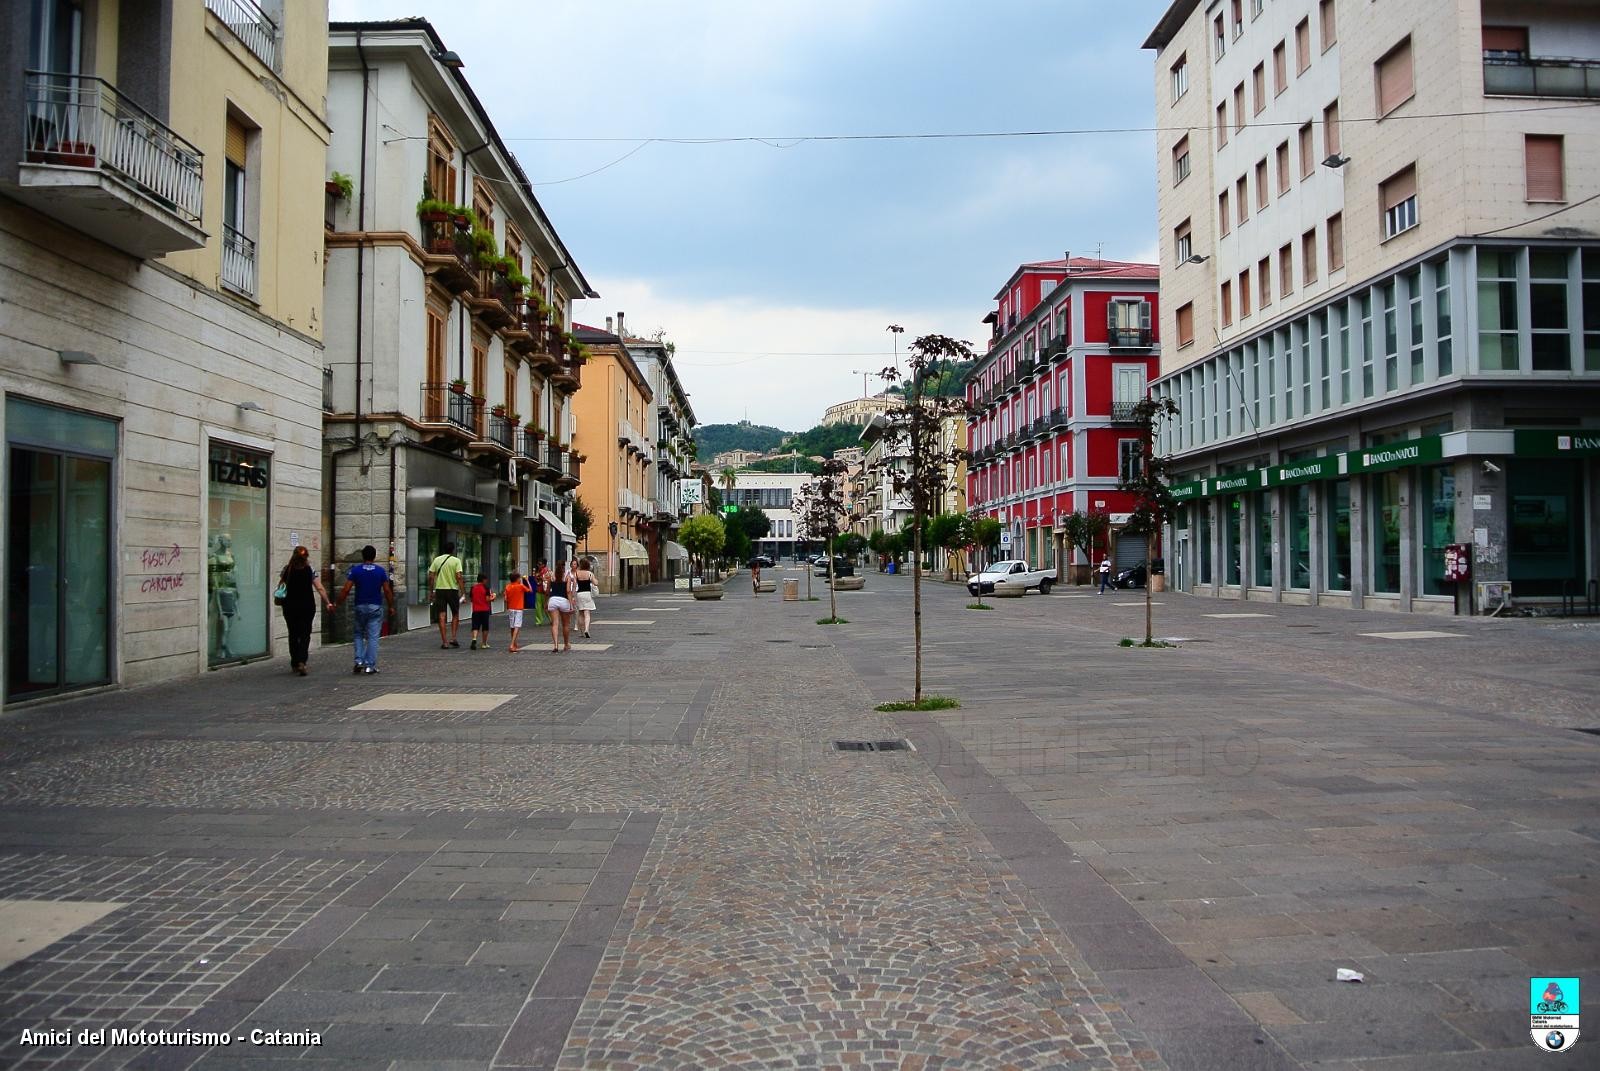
point(791, 590)
point(891, 567)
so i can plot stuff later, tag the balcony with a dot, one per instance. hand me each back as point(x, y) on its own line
point(238, 262)
point(566, 376)
point(569, 474)
point(496, 301)
point(1129, 338)
point(448, 254)
point(1122, 411)
point(546, 457)
point(527, 445)
point(251, 26)
point(1025, 369)
point(101, 164)
point(1523, 76)
point(445, 409)
point(498, 433)
point(1058, 420)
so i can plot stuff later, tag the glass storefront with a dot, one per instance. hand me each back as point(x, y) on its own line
point(1383, 525)
point(1544, 528)
point(1232, 539)
point(1336, 515)
point(1297, 536)
point(237, 566)
point(1436, 522)
point(1262, 507)
point(58, 549)
point(1204, 512)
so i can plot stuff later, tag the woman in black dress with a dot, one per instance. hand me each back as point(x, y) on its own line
point(301, 586)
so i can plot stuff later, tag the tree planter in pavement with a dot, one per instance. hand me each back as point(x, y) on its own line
point(849, 583)
point(708, 591)
point(1009, 591)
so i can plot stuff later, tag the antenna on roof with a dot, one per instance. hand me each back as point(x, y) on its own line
point(1098, 260)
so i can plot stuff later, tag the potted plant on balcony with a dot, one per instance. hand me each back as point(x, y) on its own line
point(458, 386)
point(339, 186)
point(498, 410)
point(431, 210)
point(483, 242)
point(512, 418)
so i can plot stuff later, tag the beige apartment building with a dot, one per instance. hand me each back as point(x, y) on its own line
point(611, 420)
point(161, 215)
point(1380, 271)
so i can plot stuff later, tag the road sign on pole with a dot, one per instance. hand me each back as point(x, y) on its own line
point(1005, 540)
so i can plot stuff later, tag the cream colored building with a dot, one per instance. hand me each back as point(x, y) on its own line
point(611, 416)
point(161, 216)
point(1378, 255)
point(858, 410)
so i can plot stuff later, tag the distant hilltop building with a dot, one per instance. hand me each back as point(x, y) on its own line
point(858, 410)
point(735, 458)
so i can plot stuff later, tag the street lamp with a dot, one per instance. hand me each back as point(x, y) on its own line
point(611, 526)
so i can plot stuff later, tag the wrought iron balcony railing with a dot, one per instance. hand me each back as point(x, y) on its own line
point(251, 25)
point(77, 120)
point(238, 262)
point(441, 405)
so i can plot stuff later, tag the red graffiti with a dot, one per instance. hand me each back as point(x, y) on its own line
point(170, 582)
point(156, 558)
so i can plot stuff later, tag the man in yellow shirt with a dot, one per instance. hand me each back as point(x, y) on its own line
point(445, 580)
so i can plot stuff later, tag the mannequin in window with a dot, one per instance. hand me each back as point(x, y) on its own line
point(224, 590)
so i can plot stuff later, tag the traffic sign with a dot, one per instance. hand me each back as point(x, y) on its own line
point(1005, 540)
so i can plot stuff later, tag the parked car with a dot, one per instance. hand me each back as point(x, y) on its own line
point(763, 560)
point(1010, 573)
point(1129, 578)
point(841, 566)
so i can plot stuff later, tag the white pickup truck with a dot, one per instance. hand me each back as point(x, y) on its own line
point(1011, 574)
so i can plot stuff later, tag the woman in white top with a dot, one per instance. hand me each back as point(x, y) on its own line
point(583, 579)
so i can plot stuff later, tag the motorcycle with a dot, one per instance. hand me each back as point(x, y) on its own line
point(1130, 578)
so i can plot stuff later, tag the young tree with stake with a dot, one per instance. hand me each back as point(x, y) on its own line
point(1151, 487)
point(918, 426)
point(823, 511)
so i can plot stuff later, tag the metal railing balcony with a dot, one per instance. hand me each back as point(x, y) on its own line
point(1058, 419)
point(250, 25)
point(1542, 77)
point(501, 432)
point(238, 262)
point(1130, 337)
point(77, 120)
point(1122, 411)
point(441, 405)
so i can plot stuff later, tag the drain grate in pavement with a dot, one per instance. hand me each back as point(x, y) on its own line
point(872, 745)
point(780, 641)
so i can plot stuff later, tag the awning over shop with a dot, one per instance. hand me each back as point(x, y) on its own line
point(559, 525)
point(458, 517)
point(677, 550)
point(631, 550)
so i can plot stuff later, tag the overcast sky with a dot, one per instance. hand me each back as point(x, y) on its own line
point(776, 267)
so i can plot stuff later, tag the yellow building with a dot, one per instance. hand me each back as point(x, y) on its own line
point(161, 212)
point(610, 416)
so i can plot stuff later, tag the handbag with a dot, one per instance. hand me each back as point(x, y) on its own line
point(281, 594)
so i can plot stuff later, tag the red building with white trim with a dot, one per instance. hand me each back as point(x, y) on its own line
point(1074, 346)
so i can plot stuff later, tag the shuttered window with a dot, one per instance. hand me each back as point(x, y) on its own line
point(237, 138)
point(1261, 184)
point(1286, 269)
point(1224, 220)
point(1336, 241)
point(1508, 42)
point(1180, 160)
point(1302, 46)
point(1308, 158)
point(1238, 107)
point(1330, 27)
point(1546, 178)
point(1182, 242)
point(1244, 293)
point(1222, 124)
point(1186, 324)
point(1280, 67)
point(1258, 82)
point(1330, 129)
point(1308, 256)
point(1241, 194)
point(1395, 82)
point(1225, 299)
point(1398, 196)
point(1283, 169)
point(1264, 282)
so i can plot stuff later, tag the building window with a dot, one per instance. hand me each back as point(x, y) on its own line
point(1335, 241)
point(1369, 353)
point(1238, 18)
point(1280, 67)
point(1258, 82)
point(1224, 217)
point(1391, 336)
point(1395, 82)
point(1398, 196)
point(1544, 167)
point(1441, 316)
point(1238, 107)
point(1330, 28)
point(1130, 459)
point(1285, 269)
point(1186, 323)
point(1241, 196)
point(1548, 309)
point(1330, 128)
point(1308, 159)
point(1180, 78)
point(1180, 161)
point(1413, 281)
point(1302, 46)
point(1505, 44)
point(1261, 185)
point(441, 162)
point(1591, 310)
point(1244, 294)
point(1183, 242)
point(1264, 282)
point(238, 247)
point(1219, 39)
point(1283, 169)
point(1225, 304)
point(1222, 124)
point(1308, 256)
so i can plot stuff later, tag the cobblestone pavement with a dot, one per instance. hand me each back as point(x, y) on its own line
point(647, 856)
point(1282, 796)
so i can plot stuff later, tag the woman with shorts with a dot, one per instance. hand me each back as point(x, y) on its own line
point(585, 597)
point(560, 606)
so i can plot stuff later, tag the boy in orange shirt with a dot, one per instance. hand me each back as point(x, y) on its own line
point(517, 592)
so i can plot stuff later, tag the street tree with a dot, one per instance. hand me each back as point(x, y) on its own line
point(1086, 531)
point(703, 537)
point(582, 521)
point(918, 428)
point(823, 511)
point(986, 532)
point(951, 533)
point(1151, 485)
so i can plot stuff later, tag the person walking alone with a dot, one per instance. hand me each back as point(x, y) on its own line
point(447, 580)
point(584, 600)
point(374, 600)
point(755, 576)
point(560, 606)
point(301, 587)
point(1105, 574)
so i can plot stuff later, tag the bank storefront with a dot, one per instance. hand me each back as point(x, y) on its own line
point(1418, 523)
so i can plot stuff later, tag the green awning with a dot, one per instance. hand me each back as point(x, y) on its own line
point(459, 518)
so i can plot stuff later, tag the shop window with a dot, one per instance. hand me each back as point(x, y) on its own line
point(1383, 523)
point(237, 554)
point(1297, 536)
point(1232, 540)
point(1498, 344)
point(1204, 511)
point(1336, 534)
point(1262, 556)
point(1544, 526)
point(1436, 522)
